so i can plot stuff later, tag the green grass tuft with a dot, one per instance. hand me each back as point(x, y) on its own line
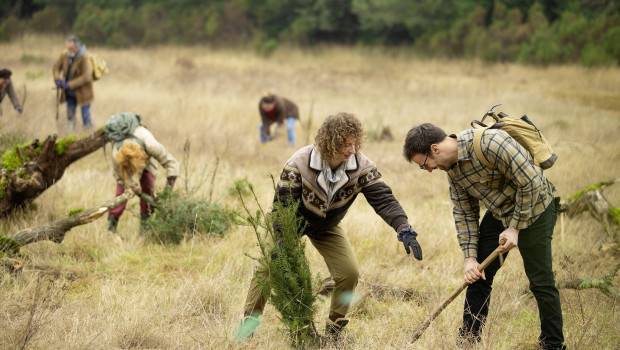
point(9, 245)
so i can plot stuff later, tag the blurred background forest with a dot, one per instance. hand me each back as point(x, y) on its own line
point(540, 32)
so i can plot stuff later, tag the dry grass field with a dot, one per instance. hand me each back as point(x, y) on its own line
point(96, 294)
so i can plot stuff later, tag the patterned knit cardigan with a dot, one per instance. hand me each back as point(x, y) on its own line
point(300, 181)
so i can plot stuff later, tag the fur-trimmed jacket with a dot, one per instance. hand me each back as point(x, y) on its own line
point(301, 180)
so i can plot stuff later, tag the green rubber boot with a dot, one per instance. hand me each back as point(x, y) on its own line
point(247, 326)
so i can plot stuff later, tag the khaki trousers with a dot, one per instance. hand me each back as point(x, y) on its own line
point(336, 249)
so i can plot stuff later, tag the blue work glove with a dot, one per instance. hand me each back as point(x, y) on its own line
point(408, 236)
point(58, 83)
point(20, 110)
point(66, 85)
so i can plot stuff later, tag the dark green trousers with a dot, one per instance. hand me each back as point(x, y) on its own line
point(535, 248)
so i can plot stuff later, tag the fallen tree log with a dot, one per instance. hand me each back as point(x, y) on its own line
point(591, 200)
point(604, 284)
point(56, 230)
point(28, 170)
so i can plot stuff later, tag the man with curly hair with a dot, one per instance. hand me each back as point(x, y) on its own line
point(326, 178)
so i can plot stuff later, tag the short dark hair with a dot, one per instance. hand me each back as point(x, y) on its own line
point(5, 73)
point(420, 138)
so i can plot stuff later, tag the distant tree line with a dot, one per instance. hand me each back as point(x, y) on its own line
point(529, 31)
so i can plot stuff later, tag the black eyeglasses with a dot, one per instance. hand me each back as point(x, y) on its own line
point(423, 166)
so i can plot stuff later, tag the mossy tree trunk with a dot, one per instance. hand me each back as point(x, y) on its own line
point(27, 171)
point(591, 200)
point(55, 231)
point(605, 284)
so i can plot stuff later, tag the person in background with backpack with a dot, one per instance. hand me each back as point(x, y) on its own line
point(6, 87)
point(521, 207)
point(123, 129)
point(275, 109)
point(73, 74)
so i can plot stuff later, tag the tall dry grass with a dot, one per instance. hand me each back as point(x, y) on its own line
point(138, 295)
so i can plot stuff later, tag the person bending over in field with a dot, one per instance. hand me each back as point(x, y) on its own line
point(326, 178)
point(135, 156)
point(6, 87)
point(276, 109)
point(521, 207)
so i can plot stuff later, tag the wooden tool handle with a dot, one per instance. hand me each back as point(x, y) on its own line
point(417, 333)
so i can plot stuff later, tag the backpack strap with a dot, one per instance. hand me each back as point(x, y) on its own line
point(478, 148)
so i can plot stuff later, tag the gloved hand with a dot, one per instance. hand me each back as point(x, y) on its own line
point(20, 110)
point(408, 236)
point(135, 187)
point(66, 85)
point(171, 181)
point(58, 83)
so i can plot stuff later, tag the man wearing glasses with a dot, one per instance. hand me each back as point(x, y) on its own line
point(521, 207)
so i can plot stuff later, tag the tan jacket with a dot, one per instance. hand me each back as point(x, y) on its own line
point(154, 150)
point(81, 77)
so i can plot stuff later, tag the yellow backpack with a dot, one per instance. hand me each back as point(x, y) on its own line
point(521, 129)
point(100, 67)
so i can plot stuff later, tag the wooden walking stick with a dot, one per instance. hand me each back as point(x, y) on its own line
point(57, 101)
point(417, 333)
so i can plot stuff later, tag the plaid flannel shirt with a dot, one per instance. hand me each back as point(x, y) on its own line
point(516, 192)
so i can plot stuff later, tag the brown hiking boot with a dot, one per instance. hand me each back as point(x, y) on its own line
point(335, 334)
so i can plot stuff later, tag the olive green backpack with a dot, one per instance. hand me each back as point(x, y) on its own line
point(521, 129)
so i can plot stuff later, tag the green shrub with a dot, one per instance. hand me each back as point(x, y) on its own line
point(10, 28)
point(178, 216)
point(594, 55)
point(611, 42)
point(263, 45)
point(50, 19)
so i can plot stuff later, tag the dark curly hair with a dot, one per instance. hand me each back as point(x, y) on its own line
point(332, 135)
point(420, 138)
